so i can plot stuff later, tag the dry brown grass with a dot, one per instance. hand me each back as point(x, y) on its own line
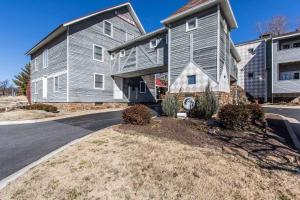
point(112, 165)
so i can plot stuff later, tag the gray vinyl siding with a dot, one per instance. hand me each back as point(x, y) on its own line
point(140, 56)
point(57, 62)
point(82, 67)
point(256, 86)
point(203, 40)
point(280, 57)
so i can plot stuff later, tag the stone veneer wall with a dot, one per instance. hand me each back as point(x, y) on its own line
point(73, 107)
point(224, 97)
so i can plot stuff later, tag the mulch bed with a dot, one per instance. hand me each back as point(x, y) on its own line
point(268, 150)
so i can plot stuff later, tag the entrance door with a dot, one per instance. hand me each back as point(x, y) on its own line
point(132, 93)
point(45, 87)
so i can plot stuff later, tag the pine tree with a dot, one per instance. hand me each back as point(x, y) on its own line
point(22, 79)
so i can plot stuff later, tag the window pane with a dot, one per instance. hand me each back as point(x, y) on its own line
point(107, 28)
point(98, 53)
point(191, 80)
point(192, 24)
point(296, 75)
point(98, 81)
point(56, 83)
point(286, 46)
point(296, 45)
point(250, 75)
point(142, 87)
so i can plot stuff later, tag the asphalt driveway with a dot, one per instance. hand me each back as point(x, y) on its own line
point(21, 145)
point(287, 112)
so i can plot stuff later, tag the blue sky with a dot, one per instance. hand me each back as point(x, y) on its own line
point(24, 22)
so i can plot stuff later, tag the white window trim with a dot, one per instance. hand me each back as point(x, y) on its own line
point(45, 58)
point(122, 53)
point(112, 28)
point(95, 45)
point(95, 81)
point(36, 65)
point(156, 43)
point(57, 84)
point(141, 87)
point(35, 87)
point(187, 24)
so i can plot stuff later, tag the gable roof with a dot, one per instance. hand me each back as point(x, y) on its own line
point(194, 6)
point(189, 5)
point(63, 27)
point(140, 38)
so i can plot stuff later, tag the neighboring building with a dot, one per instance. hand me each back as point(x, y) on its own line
point(270, 67)
point(108, 57)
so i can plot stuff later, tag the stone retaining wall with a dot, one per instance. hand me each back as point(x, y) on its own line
point(73, 107)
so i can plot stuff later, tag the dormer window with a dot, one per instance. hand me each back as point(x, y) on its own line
point(192, 24)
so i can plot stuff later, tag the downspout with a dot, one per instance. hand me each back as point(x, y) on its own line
point(169, 57)
point(68, 79)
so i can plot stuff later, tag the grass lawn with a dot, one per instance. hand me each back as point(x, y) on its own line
point(168, 159)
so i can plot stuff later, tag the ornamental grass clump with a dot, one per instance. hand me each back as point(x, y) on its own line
point(171, 105)
point(207, 104)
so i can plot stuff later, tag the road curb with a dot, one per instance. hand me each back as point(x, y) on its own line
point(4, 182)
point(287, 122)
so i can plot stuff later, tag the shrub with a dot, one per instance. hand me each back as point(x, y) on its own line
point(171, 105)
point(206, 105)
point(256, 112)
point(137, 115)
point(234, 116)
point(45, 107)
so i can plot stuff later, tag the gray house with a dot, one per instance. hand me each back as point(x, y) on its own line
point(270, 67)
point(107, 57)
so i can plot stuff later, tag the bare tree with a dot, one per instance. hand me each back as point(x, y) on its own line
point(3, 86)
point(276, 26)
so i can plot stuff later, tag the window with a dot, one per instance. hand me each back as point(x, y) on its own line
point(191, 24)
point(98, 81)
point(36, 65)
point(250, 75)
point(98, 53)
point(296, 75)
point(35, 87)
point(285, 76)
point(191, 79)
point(296, 45)
point(112, 56)
point(251, 51)
point(122, 53)
point(142, 87)
point(286, 46)
point(55, 84)
point(108, 29)
point(129, 36)
point(153, 44)
point(45, 59)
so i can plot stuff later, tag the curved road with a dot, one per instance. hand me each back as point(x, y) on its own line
point(21, 145)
